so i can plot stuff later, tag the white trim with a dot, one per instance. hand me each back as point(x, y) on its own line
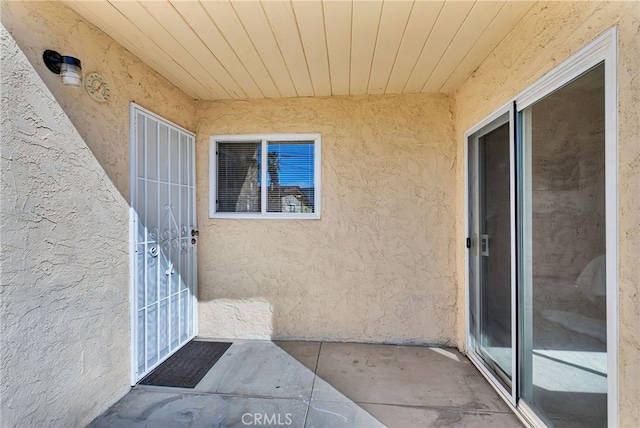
point(611, 216)
point(590, 55)
point(490, 376)
point(515, 386)
point(466, 236)
point(264, 153)
point(133, 173)
point(213, 175)
point(266, 216)
point(487, 121)
point(268, 137)
point(264, 140)
point(529, 415)
point(194, 216)
point(161, 119)
point(523, 417)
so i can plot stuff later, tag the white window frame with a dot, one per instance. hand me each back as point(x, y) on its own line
point(264, 139)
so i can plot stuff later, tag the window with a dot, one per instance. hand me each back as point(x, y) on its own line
point(265, 176)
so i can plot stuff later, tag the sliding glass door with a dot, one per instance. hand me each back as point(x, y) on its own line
point(541, 225)
point(564, 355)
point(490, 243)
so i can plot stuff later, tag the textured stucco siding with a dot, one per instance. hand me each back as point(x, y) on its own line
point(379, 265)
point(547, 35)
point(64, 309)
point(40, 25)
point(64, 257)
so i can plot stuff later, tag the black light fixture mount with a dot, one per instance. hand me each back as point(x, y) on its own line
point(68, 67)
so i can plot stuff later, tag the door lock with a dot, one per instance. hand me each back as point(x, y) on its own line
point(194, 232)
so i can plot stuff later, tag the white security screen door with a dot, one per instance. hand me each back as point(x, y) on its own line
point(164, 238)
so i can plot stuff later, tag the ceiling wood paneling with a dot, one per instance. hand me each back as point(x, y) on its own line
point(195, 14)
point(236, 49)
point(508, 17)
point(447, 24)
point(466, 36)
point(257, 26)
point(419, 28)
point(393, 23)
point(337, 24)
point(310, 19)
point(285, 29)
point(365, 21)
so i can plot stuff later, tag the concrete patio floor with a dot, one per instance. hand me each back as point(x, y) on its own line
point(313, 384)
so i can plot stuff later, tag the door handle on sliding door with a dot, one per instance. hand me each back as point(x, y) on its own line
point(484, 245)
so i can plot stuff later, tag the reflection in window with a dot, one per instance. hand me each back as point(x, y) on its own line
point(290, 177)
point(286, 167)
point(238, 177)
point(565, 361)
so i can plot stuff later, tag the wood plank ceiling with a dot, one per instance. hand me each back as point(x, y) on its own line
point(234, 49)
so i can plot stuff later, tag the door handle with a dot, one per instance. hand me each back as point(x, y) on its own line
point(194, 232)
point(484, 245)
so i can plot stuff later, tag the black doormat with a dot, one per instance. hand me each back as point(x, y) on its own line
point(187, 367)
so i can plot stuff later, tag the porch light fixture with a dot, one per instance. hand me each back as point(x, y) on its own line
point(67, 67)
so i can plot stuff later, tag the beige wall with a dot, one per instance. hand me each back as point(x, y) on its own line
point(40, 25)
point(64, 255)
point(546, 36)
point(64, 281)
point(379, 265)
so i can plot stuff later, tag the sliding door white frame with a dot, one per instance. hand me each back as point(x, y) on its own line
point(493, 121)
point(602, 49)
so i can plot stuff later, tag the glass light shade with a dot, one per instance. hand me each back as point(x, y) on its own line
point(71, 71)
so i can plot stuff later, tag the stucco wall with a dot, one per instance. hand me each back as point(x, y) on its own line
point(64, 310)
point(547, 35)
point(40, 25)
point(378, 266)
point(65, 244)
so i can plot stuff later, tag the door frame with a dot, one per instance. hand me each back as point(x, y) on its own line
point(602, 49)
point(133, 170)
point(487, 125)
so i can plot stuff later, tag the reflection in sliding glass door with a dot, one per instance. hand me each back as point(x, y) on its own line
point(564, 355)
